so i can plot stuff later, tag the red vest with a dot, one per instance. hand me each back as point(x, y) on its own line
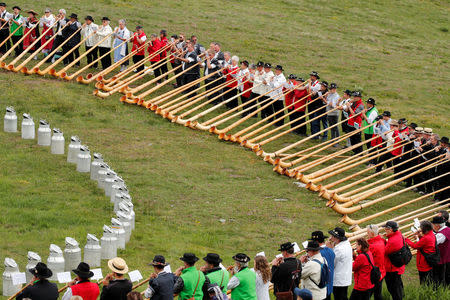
point(87, 290)
point(300, 94)
point(444, 248)
point(233, 70)
point(248, 88)
point(154, 47)
point(396, 151)
point(136, 45)
point(355, 119)
point(289, 98)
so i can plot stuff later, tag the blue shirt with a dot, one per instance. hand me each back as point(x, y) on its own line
point(329, 255)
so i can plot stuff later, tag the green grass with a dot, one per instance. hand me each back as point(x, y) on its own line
point(183, 181)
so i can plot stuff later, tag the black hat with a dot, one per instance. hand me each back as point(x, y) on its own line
point(16, 7)
point(41, 270)
point(83, 270)
point(403, 121)
point(279, 67)
point(158, 261)
point(212, 258)
point(300, 79)
point(245, 63)
point(315, 74)
point(3, 4)
point(318, 236)
point(313, 246)
point(348, 92)
point(89, 18)
point(438, 220)
point(324, 83)
point(356, 94)
point(379, 117)
point(241, 257)
point(333, 86)
point(286, 246)
point(371, 101)
point(267, 65)
point(73, 16)
point(444, 140)
point(338, 233)
point(189, 258)
point(387, 113)
point(260, 64)
point(391, 224)
point(105, 19)
point(292, 76)
point(413, 125)
point(140, 27)
point(175, 36)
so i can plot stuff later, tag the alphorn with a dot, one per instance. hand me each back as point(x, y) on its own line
point(63, 288)
point(141, 283)
point(21, 290)
point(7, 39)
point(16, 44)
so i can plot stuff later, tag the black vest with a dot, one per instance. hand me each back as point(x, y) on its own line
point(187, 65)
point(163, 286)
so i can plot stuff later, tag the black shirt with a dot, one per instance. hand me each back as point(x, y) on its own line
point(41, 290)
point(116, 290)
point(282, 275)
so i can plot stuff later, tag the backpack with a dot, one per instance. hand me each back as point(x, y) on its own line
point(375, 273)
point(402, 257)
point(324, 273)
point(434, 258)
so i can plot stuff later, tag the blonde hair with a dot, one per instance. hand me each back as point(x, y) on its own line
point(262, 265)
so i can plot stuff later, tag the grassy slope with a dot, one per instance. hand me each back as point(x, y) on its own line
point(367, 47)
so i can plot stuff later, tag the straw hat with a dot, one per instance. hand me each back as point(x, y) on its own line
point(118, 265)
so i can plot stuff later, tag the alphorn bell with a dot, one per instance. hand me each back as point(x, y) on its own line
point(16, 45)
point(7, 39)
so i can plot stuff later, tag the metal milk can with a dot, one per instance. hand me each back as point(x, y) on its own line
point(44, 133)
point(92, 251)
point(55, 261)
point(11, 267)
point(108, 243)
point(73, 150)
point(10, 120)
point(72, 254)
point(84, 160)
point(95, 165)
point(33, 259)
point(57, 146)
point(117, 226)
point(28, 130)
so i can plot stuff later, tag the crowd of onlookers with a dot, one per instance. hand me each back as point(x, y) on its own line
point(328, 267)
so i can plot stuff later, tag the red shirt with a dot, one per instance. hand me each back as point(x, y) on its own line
point(152, 48)
point(164, 43)
point(86, 289)
point(393, 244)
point(361, 272)
point(353, 118)
point(427, 244)
point(398, 150)
point(300, 94)
point(289, 98)
point(376, 246)
point(136, 44)
point(248, 88)
point(228, 72)
point(377, 141)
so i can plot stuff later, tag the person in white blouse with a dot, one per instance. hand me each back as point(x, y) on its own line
point(105, 46)
point(344, 103)
point(88, 28)
point(343, 263)
point(333, 116)
point(256, 78)
point(266, 79)
point(47, 21)
point(263, 274)
point(311, 271)
point(4, 32)
point(276, 84)
point(121, 34)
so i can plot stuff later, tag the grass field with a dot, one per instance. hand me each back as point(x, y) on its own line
point(182, 181)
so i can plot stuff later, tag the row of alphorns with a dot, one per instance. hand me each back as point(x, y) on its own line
point(114, 236)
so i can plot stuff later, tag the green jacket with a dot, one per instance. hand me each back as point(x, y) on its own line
point(14, 26)
point(246, 290)
point(192, 278)
point(369, 130)
point(219, 276)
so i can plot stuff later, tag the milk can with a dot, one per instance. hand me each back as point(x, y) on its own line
point(44, 133)
point(130, 206)
point(95, 165)
point(118, 229)
point(28, 130)
point(116, 189)
point(55, 261)
point(126, 223)
point(72, 254)
point(73, 150)
point(119, 198)
point(103, 170)
point(108, 243)
point(10, 120)
point(92, 251)
point(33, 259)
point(57, 146)
point(10, 268)
point(84, 160)
point(110, 180)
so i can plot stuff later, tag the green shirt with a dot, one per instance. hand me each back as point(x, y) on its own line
point(192, 278)
point(246, 290)
point(14, 26)
point(221, 277)
point(369, 130)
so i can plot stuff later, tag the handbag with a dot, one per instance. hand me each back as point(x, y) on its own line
point(375, 273)
point(402, 257)
point(198, 281)
point(434, 258)
point(288, 295)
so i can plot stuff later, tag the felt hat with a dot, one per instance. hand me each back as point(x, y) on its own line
point(292, 76)
point(356, 94)
point(140, 27)
point(83, 270)
point(338, 233)
point(444, 140)
point(241, 257)
point(286, 246)
point(32, 12)
point(313, 246)
point(300, 79)
point(427, 130)
point(393, 122)
point(260, 64)
point(244, 62)
point(371, 101)
point(189, 258)
point(118, 265)
point(89, 18)
point(159, 260)
point(73, 16)
point(3, 4)
point(267, 65)
point(318, 236)
point(16, 7)
point(279, 67)
point(305, 294)
point(212, 258)
point(387, 113)
point(105, 19)
point(324, 83)
point(438, 220)
point(41, 271)
point(391, 224)
point(348, 92)
point(315, 74)
point(403, 121)
point(333, 86)
point(413, 125)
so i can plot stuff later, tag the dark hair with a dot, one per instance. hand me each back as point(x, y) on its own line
point(163, 32)
point(444, 214)
point(134, 296)
point(363, 243)
point(290, 250)
point(426, 226)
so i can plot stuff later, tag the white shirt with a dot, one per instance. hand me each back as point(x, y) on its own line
point(48, 21)
point(125, 34)
point(20, 20)
point(101, 33)
point(310, 276)
point(61, 24)
point(315, 86)
point(6, 15)
point(278, 81)
point(332, 102)
point(88, 30)
point(343, 264)
point(241, 73)
point(257, 79)
point(262, 289)
point(67, 295)
point(267, 76)
point(440, 238)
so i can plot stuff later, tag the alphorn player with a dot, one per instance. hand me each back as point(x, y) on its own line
point(17, 21)
point(333, 115)
point(256, 78)
point(355, 120)
point(277, 81)
point(139, 39)
point(34, 35)
point(5, 17)
point(164, 42)
point(121, 34)
point(191, 283)
point(441, 272)
point(267, 76)
point(321, 103)
point(160, 286)
point(47, 21)
point(369, 115)
point(81, 286)
point(246, 85)
point(88, 28)
point(60, 38)
point(40, 287)
point(230, 90)
point(105, 46)
point(299, 99)
point(212, 65)
point(153, 47)
point(343, 106)
point(71, 46)
point(190, 59)
point(115, 285)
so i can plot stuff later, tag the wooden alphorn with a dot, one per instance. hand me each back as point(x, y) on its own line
point(141, 283)
point(16, 44)
point(7, 39)
point(21, 290)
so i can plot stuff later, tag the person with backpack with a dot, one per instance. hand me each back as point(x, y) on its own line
point(329, 255)
point(376, 246)
point(426, 252)
point(314, 271)
point(342, 277)
point(394, 244)
point(362, 267)
point(284, 268)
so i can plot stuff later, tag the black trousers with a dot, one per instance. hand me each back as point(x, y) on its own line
point(18, 49)
point(136, 59)
point(106, 60)
point(178, 79)
point(265, 111)
point(163, 69)
point(157, 70)
point(426, 278)
point(366, 138)
point(92, 56)
point(74, 54)
point(382, 159)
point(360, 295)
point(278, 108)
point(297, 118)
point(340, 292)
point(215, 95)
point(356, 139)
point(441, 274)
point(230, 92)
point(4, 34)
point(187, 78)
point(57, 41)
point(394, 285)
point(377, 290)
point(249, 111)
point(253, 96)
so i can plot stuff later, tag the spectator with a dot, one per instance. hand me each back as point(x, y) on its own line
point(81, 286)
point(214, 272)
point(342, 277)
point(285, 270)
point(40, 288)
point(311, 272)
point(263, 274)
point(190, 281)
point(362, 267)
point(216, 293)
point(376, 246)
point(329, 255)
point(441, 272)
point(161, 284)
point(243, 283)
point(134, 296)
point(303, 294)
point(395, 242)
point(115, 286)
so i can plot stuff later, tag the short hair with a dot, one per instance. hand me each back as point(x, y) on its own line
point(133, 295)
point(122, 21)
point(444, 214)
point(235, 58)
point(252, 66)
point(227, 53)
point(193, 36)
point(290, 250)
point(426, 226)
point(217, 44)
point(373, 228)
point(209, 51)
point(62, 10)
point(363, 243)
point(436, 136)
point(153, 35)
point(163, 32)
point(242, 264)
